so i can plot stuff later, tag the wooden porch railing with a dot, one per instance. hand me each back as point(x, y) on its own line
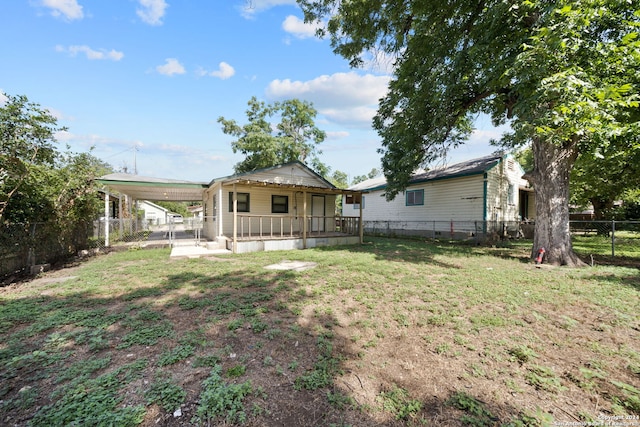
point(283, 226)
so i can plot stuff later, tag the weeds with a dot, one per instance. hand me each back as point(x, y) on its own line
point(166, 394)
point(397, 402)
point(218, 399)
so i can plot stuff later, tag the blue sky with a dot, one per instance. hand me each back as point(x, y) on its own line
point(151, 77)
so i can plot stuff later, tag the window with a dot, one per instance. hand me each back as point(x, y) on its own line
point(243, 202)
point(279, 204)
point(415, 197)
point(356, 206)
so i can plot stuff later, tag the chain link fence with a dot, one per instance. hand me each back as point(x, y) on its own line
point(23, 246)
point(615, 238)
point(611, 238)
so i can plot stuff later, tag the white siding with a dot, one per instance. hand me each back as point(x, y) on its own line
point(453, 199)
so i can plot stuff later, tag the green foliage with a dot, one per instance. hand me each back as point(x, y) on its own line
point(166, 394)
point(83, 368)
point(236, 371)
point(93, 402)
point(218, 399)
point(629, 402)
point(147, 327)
point(27, 138)
point(296, 136)
point(175, 355)
point(397, 402)
point(522, 353)
point(475, 412)
point(543, 378)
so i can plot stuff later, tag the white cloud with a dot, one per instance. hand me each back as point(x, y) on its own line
point(69, 9)
point(252, 7)
point(152, 11)
point(91, 54)
point(342, 134)
point(346, 98)
point(172, 66)
point(223, 72)
point(297, 27)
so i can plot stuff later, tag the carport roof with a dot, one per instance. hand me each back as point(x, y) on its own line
point(148, 188)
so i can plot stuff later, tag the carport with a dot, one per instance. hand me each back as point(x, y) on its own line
point(136, 187)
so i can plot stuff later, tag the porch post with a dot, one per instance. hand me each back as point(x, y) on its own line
point(235, 220)
point(106, 219)
point(360, 225)
point(304, 219)
point(218, 211)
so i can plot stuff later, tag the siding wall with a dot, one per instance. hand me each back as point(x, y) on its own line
point(457, 199)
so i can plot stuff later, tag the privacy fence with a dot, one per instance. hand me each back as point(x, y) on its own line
point(25, 245)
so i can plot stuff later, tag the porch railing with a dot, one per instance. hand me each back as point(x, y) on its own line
point(287, 226)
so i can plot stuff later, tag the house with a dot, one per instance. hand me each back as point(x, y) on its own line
point(153, 214)
point(476, 197)
point(287, 206)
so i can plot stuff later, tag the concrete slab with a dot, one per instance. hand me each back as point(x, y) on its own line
point(292, 265)
point(195, 252)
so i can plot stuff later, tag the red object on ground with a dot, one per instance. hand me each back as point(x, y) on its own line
point(540, 256)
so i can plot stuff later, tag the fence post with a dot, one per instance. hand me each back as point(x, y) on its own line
point(613, 237)
point(106, 219)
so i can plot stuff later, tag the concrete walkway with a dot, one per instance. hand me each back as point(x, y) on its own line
point(183, 245)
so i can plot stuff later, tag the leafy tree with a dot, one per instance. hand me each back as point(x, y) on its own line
point(295, 137)
point(360, 178)
point(562, 73)
point(27, 136)
point(339, 179)
point(600, 178)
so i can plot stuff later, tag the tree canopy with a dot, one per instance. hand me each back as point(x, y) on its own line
point(27, 136)
point(562, 73)
point(40, 184)
point(295, 137)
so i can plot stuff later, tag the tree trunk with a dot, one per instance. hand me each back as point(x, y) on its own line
point(550, 180)
point(601, 207)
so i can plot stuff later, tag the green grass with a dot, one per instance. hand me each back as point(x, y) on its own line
point(391, 332)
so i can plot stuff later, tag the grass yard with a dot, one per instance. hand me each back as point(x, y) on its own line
point(390, 333)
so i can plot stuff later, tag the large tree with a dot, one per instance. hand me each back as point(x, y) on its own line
point(27, 138)
point(295, 137)
point(563, 74)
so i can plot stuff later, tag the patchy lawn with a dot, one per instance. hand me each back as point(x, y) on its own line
point(393, 332)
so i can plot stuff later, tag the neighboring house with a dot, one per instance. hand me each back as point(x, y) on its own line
point(196, 211)
point(154, 214)
point(473, 197)
point(283, 207)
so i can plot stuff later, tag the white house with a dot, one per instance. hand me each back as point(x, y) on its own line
point(287, 206)
point(478, 196)
point(154, 214)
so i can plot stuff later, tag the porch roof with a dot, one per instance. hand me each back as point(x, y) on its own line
point(288, 186)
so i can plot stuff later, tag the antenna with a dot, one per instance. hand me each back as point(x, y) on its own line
point(135, 165)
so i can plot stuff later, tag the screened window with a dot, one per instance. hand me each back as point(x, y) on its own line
point(279, 204)
point(511, 194)
point(415, 197)
point(243, 202)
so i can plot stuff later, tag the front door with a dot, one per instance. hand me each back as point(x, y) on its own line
point(317, 213)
